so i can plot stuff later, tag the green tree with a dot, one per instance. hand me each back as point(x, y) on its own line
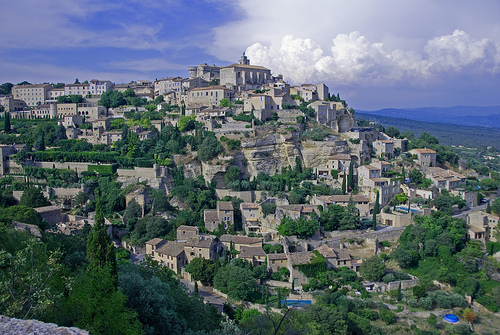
point(351, 219)
point(33, 197)
point(350, 178)
point(209, 148)
point(61, 133)
point(372, 268)
point(6, 124)
point(392, 131)
point(416, 176)
point(201, 269)
point(238, 283)
point(40, 143)
point(232, 174)
point(488, 208)
point(100, 249)
point(186, 123)
point(226, 103)
point(132, 215)
point(330, 218)
point(376, 209)
point(344, 185)
point(95, 305)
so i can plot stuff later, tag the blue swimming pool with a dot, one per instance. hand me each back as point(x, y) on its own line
point(296, 303)
point(405, 208)
point(451, 318)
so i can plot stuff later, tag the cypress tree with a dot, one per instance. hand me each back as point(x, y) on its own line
point(375, 212)
point(488, 208)
point(196, 287)
point(350, 178)
point(344, 187)
point(100, 249)
point(6, 124)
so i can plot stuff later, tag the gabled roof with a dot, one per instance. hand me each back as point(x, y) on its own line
point(199, 242)
point(327, 252)
point(240, 239)
point(343, 254)
point(171, 249)
point(249, 205)
point(225, 205)
point(297, 258)
point(191, 228)
point(277, 257)
point(255, 67)
point(156, 241)
point(210, 215)
point(250, 252)
point(424, 151)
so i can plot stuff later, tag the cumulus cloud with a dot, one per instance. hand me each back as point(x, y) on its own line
point(354, 60)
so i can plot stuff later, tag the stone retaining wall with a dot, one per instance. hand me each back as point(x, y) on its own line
point(17, 326)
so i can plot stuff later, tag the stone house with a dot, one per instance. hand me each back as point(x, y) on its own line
point(480, 226)
point(200, 246)
point(384, 148)
point(223, 214)
point(240, 241)
point(276, 261)
point(444, 179)
point(209, 96)
point(51, 214)
point(172, 255)
point(154, 244)
point(296, 211)
point(244, 74)
point(254, 255)
point(294, 260)
point(426, 157)
point(250, 217)
point(335, 257)
point(185, 232)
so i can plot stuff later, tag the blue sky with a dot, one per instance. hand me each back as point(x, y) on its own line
point(376, 54)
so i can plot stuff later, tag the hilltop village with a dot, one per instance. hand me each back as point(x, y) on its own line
point(233, 174)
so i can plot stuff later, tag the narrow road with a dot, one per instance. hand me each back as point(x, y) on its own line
point(473, 209)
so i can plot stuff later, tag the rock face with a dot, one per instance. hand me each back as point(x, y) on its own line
point(270, 154)
point(10, 326)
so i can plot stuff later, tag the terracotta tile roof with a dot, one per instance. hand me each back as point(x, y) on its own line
point(297, 258)
point(171, 249)
point(240, 239)
point(277, 257)
point(424, 151)
point(369, 167)
point(343, 254)
point(327, 252)
point(192, 228)
point(249, 205)
point(225, 205)
point(250, 252)
point(210, 215)
point(199, 242)
point(156, 241)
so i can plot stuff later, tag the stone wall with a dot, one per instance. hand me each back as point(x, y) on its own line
point(405, 284)
point(16, 326)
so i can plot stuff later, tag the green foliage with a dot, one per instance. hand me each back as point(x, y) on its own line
point(201, 269)
point(102, 169)
point(232, 174)
point(301, 227)
point(72, 98)
point(272, 248)
point(100, 249)
point(372, 268)
point(186, 122)
point(22, 214)
point(226, 103)
point(30, 276)
point(268, 208)
point(315, 266)
point(244, 117)
point(33, 197)
point(112, 99)
point(209, 148)
point(237, 282)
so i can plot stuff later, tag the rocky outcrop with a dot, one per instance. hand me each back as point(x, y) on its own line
point(11, 326)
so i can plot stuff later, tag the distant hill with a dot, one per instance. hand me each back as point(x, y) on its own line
point(463, 115)
point(447, 133)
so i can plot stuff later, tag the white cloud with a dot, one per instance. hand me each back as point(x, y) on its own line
point(354, 60)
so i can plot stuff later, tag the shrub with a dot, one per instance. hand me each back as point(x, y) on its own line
point(388, 278)
point(425, 303)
